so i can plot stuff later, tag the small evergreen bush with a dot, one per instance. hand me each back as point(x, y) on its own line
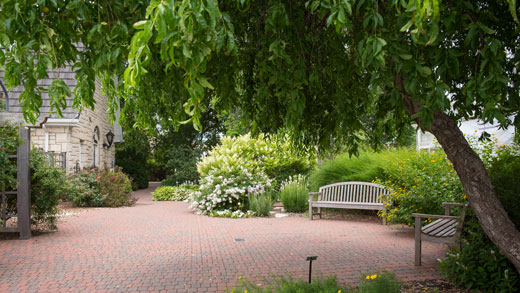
point(174, 193)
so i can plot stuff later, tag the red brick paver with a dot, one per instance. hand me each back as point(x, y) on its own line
point(156, 246)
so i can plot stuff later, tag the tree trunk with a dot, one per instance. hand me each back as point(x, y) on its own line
point(476, 183)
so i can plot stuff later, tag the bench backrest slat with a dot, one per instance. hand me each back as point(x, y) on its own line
point(353, 192)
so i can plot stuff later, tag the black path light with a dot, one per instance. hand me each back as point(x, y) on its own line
point(110, 139)
point(310, 259)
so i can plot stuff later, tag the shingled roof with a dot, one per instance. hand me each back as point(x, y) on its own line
point(67, 75)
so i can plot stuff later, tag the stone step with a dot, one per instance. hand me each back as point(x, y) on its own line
point(281, 215)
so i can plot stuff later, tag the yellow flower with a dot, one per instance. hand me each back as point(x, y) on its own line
point(104, 23)
point(368, 277)
point(245, 291)
point(465, 196)
point(433, 161)
point(239, 277)
point(373, 276)
point(339, 291)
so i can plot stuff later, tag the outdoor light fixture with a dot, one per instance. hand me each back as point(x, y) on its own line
point(110, 139)
point(310, 259)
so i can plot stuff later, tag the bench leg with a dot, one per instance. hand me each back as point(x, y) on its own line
point(417, 241)
point(319, 212)
point(310, 210)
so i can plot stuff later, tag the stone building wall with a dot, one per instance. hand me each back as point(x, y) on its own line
point(78, 140)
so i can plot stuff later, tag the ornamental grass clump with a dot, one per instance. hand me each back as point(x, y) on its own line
point(294, 194)
point(261, 204)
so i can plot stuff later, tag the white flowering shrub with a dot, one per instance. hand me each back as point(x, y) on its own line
point(228, 188)
point(240, 167)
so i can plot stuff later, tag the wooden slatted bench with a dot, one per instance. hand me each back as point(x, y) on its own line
point(446, 229)
point(348, 195)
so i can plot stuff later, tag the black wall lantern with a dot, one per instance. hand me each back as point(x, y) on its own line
point(110, 139)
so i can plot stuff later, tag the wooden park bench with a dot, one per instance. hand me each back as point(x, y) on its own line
point(446, 229)
point(348, 195)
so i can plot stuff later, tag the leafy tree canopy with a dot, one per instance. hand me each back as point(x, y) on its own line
point(316, 67)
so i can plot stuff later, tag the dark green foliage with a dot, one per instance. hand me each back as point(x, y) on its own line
point(156, 170)
point(47, 182)
point(132, 154)
point(181, 149)
point(9, 141)
point(182, 165)
point(504, 172)
point(479, 265)
point(295, 197)
point(116, 188)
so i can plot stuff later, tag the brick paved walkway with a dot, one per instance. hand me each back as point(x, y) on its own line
point(164, 246)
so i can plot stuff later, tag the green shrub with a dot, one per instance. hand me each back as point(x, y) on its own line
point(182, 165)
point(228, 189)
point(47, 187)
point(503, 171)
point(156, 170)
point(295, 196)
point(47, 181)
point(276, 157)
point(116, 187)
point(242, 166)
point(366, 167)
point(385, 282)
point(261, 204)
point(175, 193)
point(479, 265)
point(419, 183)
point(283, 284)
point(83, 189)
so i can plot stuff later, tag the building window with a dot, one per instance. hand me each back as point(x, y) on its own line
point(95, 150)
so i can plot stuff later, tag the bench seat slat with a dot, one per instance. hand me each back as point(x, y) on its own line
point(442, 228)
point(348, 205)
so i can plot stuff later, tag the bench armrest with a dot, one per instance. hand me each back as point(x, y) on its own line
point(417, 215)
point(312, 194)
point(448, 205)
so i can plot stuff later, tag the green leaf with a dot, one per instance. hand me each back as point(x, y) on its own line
point(407, 26)
point(204, 82)
point(405, 56)
point(512, 9)
point(140, 24)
